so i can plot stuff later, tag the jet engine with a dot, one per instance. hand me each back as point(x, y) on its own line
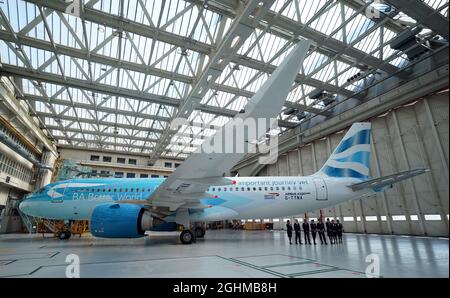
point(113, 220)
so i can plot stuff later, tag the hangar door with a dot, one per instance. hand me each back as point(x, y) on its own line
point(321, 189)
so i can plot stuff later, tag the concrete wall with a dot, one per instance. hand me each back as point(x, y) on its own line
point(412, 136)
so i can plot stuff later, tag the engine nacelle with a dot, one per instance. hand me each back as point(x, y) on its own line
point(120, 221)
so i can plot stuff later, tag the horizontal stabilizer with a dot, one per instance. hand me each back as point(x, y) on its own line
point(380, 183)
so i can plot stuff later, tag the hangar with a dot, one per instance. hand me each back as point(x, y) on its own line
point(89, 89)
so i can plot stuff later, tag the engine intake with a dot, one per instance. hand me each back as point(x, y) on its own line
point(120, 221)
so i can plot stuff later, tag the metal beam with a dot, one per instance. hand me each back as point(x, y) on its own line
point(131, 146)
point(268, 68)
point(292, 27)
point(122, 24)
point(127, 65)
point(95, 57)
point(282, 22)
point(88, 106)
point(424, 14)
point(21, 72)
point(416, 87)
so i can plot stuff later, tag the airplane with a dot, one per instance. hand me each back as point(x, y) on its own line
point(198, 190)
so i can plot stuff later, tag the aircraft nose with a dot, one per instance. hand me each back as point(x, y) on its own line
point(24, 206)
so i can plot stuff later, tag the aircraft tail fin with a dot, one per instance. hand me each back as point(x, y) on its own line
point(351, 158)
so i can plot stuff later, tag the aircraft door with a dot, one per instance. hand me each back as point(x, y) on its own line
point(321, 189)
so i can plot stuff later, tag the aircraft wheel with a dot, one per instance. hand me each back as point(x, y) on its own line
point(187, 237)
point(64, 235)
point(200, 232)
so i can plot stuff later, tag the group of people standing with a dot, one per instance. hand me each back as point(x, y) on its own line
point(331, 228)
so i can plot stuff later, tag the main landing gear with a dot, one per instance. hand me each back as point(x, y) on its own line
point(199, 232)
point(189, 236)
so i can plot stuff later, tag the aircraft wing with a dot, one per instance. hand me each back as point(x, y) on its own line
point(209, 164)
point(380, 183)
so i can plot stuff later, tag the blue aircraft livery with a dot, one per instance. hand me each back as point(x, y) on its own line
point(126, 208)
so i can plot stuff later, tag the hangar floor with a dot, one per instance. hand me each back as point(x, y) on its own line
point(223, 254)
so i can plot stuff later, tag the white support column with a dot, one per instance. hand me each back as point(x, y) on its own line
point(329, 149)
point(300, 162)
point(433, 186)
point(396, 168)
point(411, 182)
point(383, 194)
point(288, 165)
point(437, 140)
point(313, 153)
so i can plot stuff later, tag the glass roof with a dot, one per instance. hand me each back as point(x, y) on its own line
point(113, 75)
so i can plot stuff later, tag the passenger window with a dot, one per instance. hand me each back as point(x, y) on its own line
point(289, 188)
point(115, 189)
point(260, 189)
point(104, 190)
point(265, 188)
point(109, 189)
point(120, 190)
point(126, 189)
point(271, 188)
point(98, 189)
point(131, 189)
point(237, 188)
point(149, 189)
point(219, 189)
point(214, 189)
point(254, 188)
point(242, 189)
point(249, 189)
point(277, 188)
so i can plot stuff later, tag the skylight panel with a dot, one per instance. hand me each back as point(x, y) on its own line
point(326, 73)
point(108, 6)
point(371, 42)
point(309, 8)
point(329, 21)
point(257, 82)
point(243, 75)
point(295, 94)
point(238, 104)
point(313, 61)
point(359, 25)
point(37, 57)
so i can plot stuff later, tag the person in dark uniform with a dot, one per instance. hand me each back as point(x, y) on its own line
point(314, 231)
point(289, 231)
point(340, 229)
point(334, 231)
point(305, 226)
point(329, 232)
point(298, 238)
point(321, 229)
